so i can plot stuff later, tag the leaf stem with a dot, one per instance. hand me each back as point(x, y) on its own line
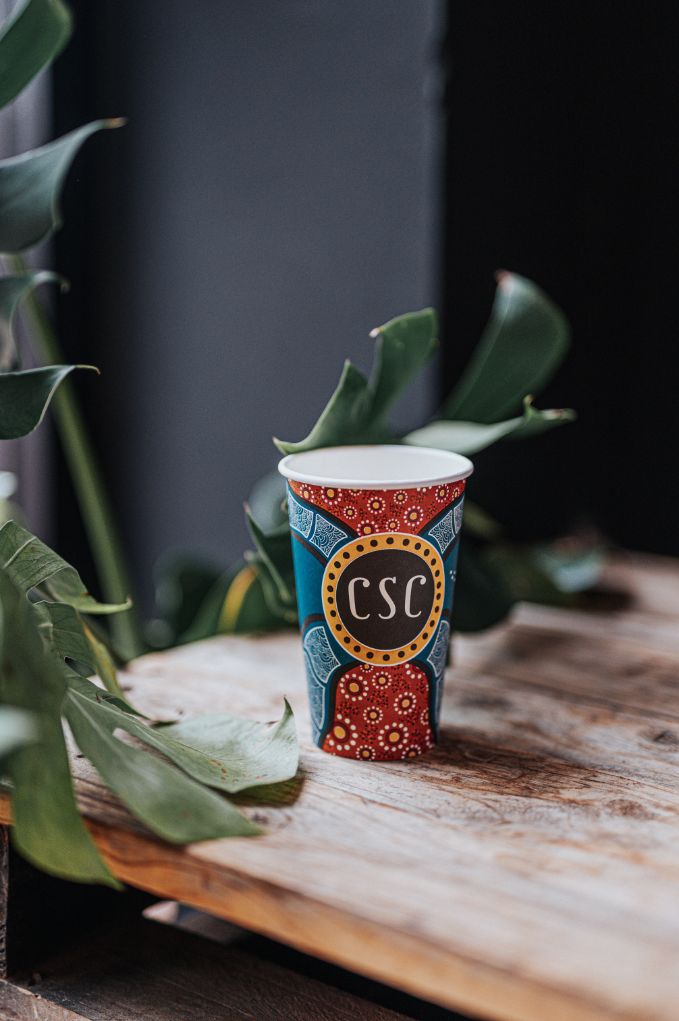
point(102, 532)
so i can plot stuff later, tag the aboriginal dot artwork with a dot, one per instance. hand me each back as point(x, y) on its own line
point(381, 714)
point(369, 511)
point(375, 573)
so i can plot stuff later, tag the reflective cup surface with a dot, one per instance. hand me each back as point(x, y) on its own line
point(375, 576)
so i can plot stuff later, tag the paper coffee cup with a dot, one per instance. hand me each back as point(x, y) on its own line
point(375, 539)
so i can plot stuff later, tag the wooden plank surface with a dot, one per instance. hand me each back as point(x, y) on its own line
point(149, 972)
point(526, 869)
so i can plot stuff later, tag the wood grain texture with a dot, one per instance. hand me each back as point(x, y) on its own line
point(527, 869)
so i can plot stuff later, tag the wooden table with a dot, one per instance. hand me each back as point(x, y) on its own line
point(526, 869)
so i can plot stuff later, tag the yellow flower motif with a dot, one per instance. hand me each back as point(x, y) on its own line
point(373, 715)
point(394, 735)
point(405, 703)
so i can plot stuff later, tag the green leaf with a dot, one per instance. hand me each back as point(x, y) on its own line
point(17, 728)
point(346, 418)
point(479, 523)
point(470, 437)
point(25, 396)
point(30, 186)
point(275, 555)
point(482, 598)
point(404, 346)
point(219, 750)
point(170, 803)
point(267, 501)
point(29, 40)
point(62, 630)
point(246, 605)
point(102, 661)
point(31, 564)
point(48, 829)
point(13, 289)
point(521, 574)
point(357, 410)
point(72, 639)
point(280, 612)
point(235, 605)
point(231, 753)
point(523, 344)
point(182, 583)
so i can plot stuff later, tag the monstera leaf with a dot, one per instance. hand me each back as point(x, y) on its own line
point(174, 806)
point(471, 437)
point(71, 638)
point(357, 411)
point(25, 397)
point(31, 564)
point(36, 569)
point(222, 751)
point(274, 557)
point(30, 186)
point(170, 783)
point(29, 40)
point(13, 289)
point(524, 343)
point(236, 604)
point(48, 829)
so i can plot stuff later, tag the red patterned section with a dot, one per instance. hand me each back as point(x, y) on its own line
point(381, 713)
point(367, 511)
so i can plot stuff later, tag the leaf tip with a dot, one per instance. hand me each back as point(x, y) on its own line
point(287, 708)
point(115, 122)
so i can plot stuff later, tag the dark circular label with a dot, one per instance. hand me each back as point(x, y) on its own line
point(383, 596)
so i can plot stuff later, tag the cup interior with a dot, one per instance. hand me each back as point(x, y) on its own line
point(376, 467)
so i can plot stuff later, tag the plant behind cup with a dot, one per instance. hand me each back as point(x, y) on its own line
point(525, 341)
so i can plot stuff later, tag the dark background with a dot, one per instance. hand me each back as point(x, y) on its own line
point(294, 173)
point(561, 163)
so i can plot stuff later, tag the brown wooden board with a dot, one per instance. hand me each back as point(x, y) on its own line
point(526, 869)
point(149, 972)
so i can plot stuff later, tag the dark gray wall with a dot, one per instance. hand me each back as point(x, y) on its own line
point(273, 197)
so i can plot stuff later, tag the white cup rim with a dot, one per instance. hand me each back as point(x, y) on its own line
point(376, 466)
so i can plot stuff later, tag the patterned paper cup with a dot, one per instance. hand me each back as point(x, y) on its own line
point(375, 538)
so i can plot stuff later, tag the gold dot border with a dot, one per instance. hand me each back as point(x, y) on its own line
point(370, 544)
